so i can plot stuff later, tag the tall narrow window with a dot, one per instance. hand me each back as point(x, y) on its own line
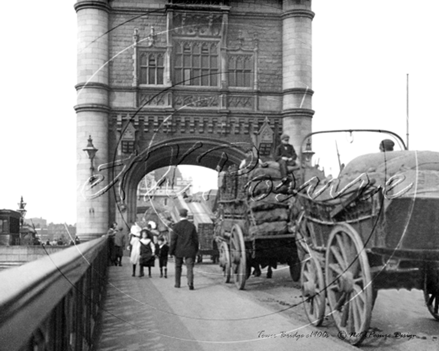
point(240, 71)
point(151, 68)
point(196, 64)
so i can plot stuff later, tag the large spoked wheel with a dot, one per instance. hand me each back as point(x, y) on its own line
point(349, 286)
point(238, 257)
point(430, 291)
point(225, 261)
point(313, 289)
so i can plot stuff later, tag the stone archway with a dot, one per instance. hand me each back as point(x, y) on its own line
point(210, 153)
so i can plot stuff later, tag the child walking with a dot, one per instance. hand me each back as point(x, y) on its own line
point(147, 252)
point(163, 256)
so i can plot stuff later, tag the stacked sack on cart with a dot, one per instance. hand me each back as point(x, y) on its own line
point(258, 200)
point(230, 193)
point(268, 202)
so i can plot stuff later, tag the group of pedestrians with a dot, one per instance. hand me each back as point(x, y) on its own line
point(144, 249)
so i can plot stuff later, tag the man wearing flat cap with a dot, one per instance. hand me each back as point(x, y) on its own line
point(285, 155)
point(184, 245)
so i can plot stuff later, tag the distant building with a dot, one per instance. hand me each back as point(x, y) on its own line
point(52, 231)
point(159, 186)
point(37, 222)
point(156, 192)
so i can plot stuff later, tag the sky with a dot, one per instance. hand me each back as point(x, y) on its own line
point(362, 53)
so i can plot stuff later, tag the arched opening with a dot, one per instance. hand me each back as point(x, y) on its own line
point(215, 155)
point(163, 191)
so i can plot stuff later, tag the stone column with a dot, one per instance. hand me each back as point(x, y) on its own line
point(297, 70)
point(92, 111)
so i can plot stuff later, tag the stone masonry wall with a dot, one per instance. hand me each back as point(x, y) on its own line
point(17, 255)
point(121, 39)
point(264, 24)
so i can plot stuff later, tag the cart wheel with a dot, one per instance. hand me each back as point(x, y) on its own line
point(225, 261)
point(238, 257)
point(349, 285)
point(430, 291)
point(313, 290)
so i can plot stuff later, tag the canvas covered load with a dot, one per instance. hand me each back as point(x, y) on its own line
point(399, 173)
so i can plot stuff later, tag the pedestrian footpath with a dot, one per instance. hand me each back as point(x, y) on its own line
point(150, 314)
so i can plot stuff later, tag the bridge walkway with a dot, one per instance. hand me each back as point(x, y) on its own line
point(150, 314)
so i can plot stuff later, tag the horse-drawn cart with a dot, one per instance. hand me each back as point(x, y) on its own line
point(374, 227)
point(253, 227)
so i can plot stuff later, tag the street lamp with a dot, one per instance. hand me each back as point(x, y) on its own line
point(21, 209)
point(91, 151)
point(308, 153)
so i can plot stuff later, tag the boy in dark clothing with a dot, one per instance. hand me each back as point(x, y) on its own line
point(285, 155)
point(163, 257)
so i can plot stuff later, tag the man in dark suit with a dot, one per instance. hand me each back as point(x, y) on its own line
point(184, 245)
point(285, 155)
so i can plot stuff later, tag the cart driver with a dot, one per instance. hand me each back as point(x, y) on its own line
point(285, 155)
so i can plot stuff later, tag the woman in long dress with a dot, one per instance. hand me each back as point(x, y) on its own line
point(135, 247)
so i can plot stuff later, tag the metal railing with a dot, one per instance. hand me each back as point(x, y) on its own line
point(53, 303)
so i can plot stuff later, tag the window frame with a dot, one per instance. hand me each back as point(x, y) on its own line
point(197, 67)
point(127, 146)
point(145, 69)
point(236, 72)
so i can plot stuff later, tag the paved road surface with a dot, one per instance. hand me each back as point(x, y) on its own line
point(395, 311)
point(150, 314)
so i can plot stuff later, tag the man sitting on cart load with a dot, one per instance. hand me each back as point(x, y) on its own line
point(285, 155)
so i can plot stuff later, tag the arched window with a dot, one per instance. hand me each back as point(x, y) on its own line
point(151, 68)
point(196, 64)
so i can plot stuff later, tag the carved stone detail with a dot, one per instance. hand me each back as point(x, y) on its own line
point(196, 24)
point(120, 121)
point(206, 125)
point(154, 99)
point(240, 102)
point(198, 100)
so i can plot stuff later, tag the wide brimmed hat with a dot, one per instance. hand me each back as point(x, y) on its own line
point(135, 230)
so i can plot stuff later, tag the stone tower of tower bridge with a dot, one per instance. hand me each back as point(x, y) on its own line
point(167, 82)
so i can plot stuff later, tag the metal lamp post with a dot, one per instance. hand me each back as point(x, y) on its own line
point(23, 211)
point(308, 153)
point(91, 151)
